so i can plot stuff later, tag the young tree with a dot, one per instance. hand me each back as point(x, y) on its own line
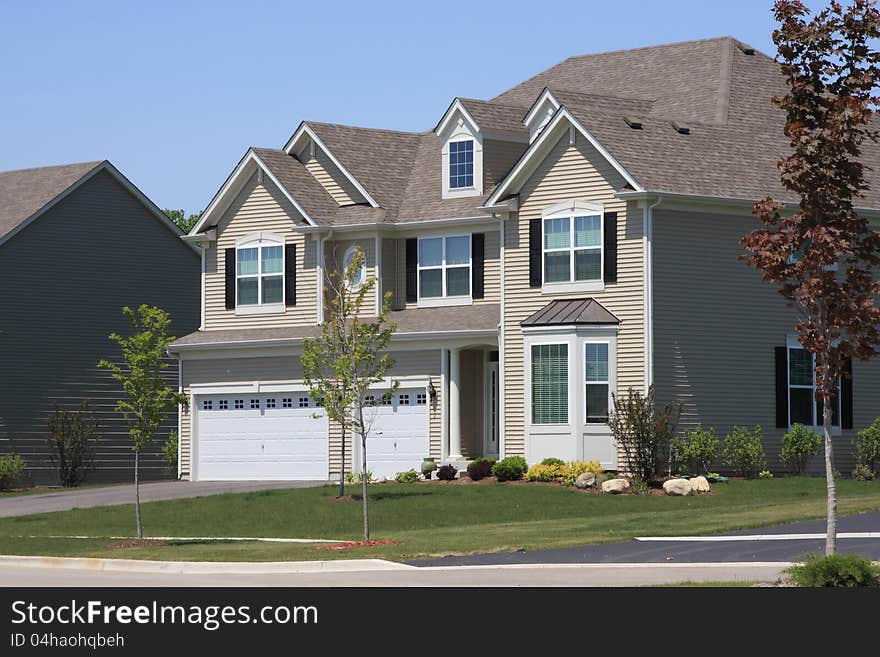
point(148, 395)
point(823, 255)
point(346, 360)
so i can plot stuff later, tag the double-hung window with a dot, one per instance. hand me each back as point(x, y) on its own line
point(259, 273)
point(461, 164)
point(803, 407)
point(549, 383)
point(572, 248)
point(445, 268)
point(597, 389)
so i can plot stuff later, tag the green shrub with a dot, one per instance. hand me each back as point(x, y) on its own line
point(697, 449)
point(862, 473)
point(839, 570)
point(541, 472)
point(447, 472)
point(169, 452)
point(408, 477)
point(12, 468)
point(868, 446)
point(744, 451)
point(552, 461)
point(765, 474)
point(642, 431)
point(480, 468)
point(574, 469)
point(639, 487)
point(510, 468)
point(357, 477)
point(71, 441)
point(798, 445)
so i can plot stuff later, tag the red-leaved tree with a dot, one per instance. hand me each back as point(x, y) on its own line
point(823, 255)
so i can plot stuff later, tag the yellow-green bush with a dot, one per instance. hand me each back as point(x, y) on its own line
point(573, 469)
point(541, 472)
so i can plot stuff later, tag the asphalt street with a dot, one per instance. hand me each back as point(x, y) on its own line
point(694, 552)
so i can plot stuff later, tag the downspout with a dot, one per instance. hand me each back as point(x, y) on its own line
point(378, 261)
point(501, 406)
point(320, 281)
point(202, 249)
point(182, 406)
point(648, 263)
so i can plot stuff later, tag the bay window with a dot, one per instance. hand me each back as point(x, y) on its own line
point(549, 383)
point(597, 388)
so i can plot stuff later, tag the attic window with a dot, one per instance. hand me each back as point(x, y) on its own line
point(633, 122)
point(461, 164)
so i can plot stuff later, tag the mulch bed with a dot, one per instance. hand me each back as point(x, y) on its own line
point(337, 498)
point(348, 545)
point(135, 543)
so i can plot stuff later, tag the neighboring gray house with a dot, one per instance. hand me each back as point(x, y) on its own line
point(77, 243)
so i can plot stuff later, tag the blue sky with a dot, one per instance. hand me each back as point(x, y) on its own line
point(173, 93)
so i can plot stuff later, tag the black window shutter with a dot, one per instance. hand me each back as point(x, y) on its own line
point(846, 397)
point(610, 247)
point(535, 237)
point(290, 274)
point(412, 271)
point(478, 259)
point(230, 279)
point(782, 387)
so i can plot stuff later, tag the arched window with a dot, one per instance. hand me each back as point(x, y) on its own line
point(348, 258)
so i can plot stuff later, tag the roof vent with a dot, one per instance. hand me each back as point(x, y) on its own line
point(748, 50)
point(633, 122)
point(681, 128)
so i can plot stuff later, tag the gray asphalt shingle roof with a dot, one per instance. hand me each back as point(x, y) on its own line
point(26, 191)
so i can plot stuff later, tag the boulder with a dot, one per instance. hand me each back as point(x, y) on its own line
point(615, 486)
point(585, 480)
point(677, 487)
point(699, 484)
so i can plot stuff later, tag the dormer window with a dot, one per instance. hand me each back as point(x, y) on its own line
point(461, 164)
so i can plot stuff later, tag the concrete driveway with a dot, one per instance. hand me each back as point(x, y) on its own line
point(83, 498)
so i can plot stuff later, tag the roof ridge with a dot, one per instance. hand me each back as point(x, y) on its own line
point(367, 129)
point(656, 46)
point(94, 163)
point(493, 102)
point(606, 96)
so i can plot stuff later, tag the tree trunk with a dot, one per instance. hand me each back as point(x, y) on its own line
point(364, 482)
point(831, 537)
point(137, 498)
point(342, 468)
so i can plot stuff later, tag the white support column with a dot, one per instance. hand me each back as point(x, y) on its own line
point(444, 401)
point(455, 404)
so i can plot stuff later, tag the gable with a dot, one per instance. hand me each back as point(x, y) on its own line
point(330, 177)
point(260, 205)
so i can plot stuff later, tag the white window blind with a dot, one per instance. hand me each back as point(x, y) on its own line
point(550, 384)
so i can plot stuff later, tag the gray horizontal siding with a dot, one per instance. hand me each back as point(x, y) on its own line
point(715, 328)
point(65, 279)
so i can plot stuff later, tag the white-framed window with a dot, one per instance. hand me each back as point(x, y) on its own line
point(597, 382)
point(803, 407)
point(461, 164)
point(259, 274)
point(444, 269)
point(347, 259)
point(549, 381)
point(572, 248)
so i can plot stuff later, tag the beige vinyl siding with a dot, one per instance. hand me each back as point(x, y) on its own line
point(716, 325)
point(571, 172)
point(288, 367)
point(330, 177)
point(491, 270)
point(499, 156)
point(260, 207)
point(472, 402)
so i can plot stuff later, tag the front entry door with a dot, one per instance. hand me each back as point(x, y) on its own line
point(491, 440)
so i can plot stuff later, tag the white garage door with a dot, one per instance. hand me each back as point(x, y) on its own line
point(398, 439)
point(253, 437)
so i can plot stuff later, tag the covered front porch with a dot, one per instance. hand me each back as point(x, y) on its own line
point(470, 410)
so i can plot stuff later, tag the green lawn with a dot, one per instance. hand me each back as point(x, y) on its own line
point(426, 519)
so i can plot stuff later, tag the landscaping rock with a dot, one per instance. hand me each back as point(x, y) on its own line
point(585, 480)
point(677, 487)
point(615, 486)
point(699, 484)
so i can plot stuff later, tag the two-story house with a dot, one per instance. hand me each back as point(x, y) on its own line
point(573, 237)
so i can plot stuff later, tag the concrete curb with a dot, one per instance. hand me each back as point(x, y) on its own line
point(720, 565)
point(201, 567)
